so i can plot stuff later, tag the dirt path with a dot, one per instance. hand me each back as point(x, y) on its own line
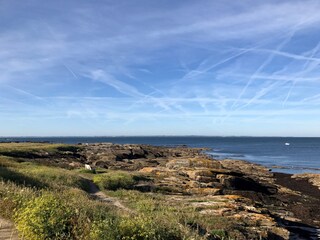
point(7, 230)
point(99, 195)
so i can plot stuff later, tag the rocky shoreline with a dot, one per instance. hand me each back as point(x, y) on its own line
point(258, 203)
point(274, 205)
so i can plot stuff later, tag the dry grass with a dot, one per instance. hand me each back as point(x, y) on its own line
point(23, 146)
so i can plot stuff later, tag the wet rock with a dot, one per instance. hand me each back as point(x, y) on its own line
point(313, 178)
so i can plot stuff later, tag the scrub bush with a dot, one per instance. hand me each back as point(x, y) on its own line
point(103, 230)
point(138, 227)
point(47, 217)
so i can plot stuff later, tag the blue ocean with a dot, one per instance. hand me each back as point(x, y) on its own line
point(289, 154)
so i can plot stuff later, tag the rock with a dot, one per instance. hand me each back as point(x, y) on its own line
point(277, 233)
point(178, 163)
point(101, 164)
point(313, 178)
point(87, 167)
point(144, 187)
point(204, 191)
point(204, 179)
point(75, 165)
point(193, 174)
point(245, 183)
point(247, 168)
point(139, 153)
point(113, 153)
point(148, 170)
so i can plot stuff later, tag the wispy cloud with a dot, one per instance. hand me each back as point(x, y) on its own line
point(120, 86)
point(170, 64)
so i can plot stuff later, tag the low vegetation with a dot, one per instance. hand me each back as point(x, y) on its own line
point(48, 202)
point(114, 180)
point(31, 150)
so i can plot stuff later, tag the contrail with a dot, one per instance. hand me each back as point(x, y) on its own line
point(257, 72)
point(261, 67)
point(308, 67)
point(69, 69)
point(269, 59)
point(285, 54)
point(196, 72)
point(25, 93)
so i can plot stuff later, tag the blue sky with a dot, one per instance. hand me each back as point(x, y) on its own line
point(144, 67)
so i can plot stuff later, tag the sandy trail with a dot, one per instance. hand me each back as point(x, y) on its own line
point(99, 195)
point(7, 230)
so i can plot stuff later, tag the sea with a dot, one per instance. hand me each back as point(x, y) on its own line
point(279, 154)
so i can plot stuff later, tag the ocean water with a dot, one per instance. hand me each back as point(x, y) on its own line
point(302, 155)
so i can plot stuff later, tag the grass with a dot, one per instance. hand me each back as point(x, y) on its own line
point(31, 150)
point(26, 146)
point(168, 212)
point(114, 180)
point(171, 219)
point(34, 175)
point(48, 202)
point(56, 178)
point(165, 210)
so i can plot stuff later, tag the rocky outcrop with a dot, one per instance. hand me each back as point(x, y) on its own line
point(236, 190)
point(133, 156)
point(253, 176)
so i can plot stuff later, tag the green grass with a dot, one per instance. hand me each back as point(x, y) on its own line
point(35, 175)
point(57, 178)
point(26, 146)
point(114, 180)
point(31, 150)
point(173, 216)
point(26, 149)
point(170, 212)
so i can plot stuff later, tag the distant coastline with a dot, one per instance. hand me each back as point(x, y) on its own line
point(301, 156)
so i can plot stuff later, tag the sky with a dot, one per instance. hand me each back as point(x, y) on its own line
point(159, 67)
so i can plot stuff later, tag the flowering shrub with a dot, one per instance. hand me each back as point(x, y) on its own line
point(47, 217)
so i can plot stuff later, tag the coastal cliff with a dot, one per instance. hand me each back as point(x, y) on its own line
point(229, 198)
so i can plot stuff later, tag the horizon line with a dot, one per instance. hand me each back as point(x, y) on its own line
point(119, 136)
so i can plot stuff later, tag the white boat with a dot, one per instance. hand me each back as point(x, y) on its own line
point(287, 144)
